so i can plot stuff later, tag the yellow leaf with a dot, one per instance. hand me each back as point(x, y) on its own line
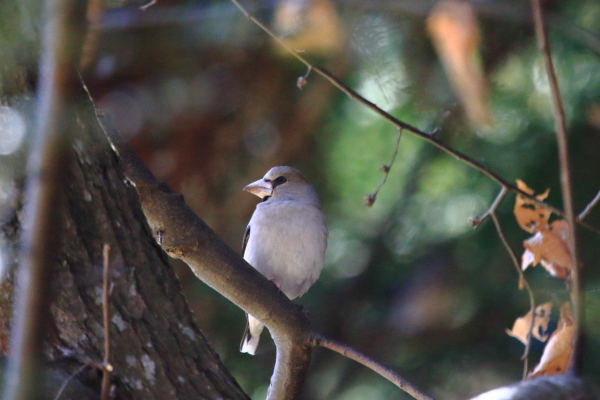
point(453, 26)
point(550, 248)
point(312, 26)
point(540, 324)
point(557, 352)
point(531, 216)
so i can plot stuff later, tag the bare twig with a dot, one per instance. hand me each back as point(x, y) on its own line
point(589, 207)
point(66, 382)
point(478, 220)
point(560, 126)
point(513, 257)
point(48, 160)
point(371, 197)
point(148, 5)
point(376, 366)
point(427, 136)
point(107, 367)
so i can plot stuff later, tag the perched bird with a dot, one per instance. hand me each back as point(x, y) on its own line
point(285, 239)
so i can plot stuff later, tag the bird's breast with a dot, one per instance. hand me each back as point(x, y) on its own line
point(287, 244)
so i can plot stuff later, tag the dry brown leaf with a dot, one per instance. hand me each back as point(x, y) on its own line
point(453, 27)
point(521, 325)
point(531, 216)
point(312, 26)
point(550, 248)
point(558, 349)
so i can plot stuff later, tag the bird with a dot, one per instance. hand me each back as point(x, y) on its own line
point(285, 240)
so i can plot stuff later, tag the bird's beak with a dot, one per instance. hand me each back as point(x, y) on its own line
point(261, 188)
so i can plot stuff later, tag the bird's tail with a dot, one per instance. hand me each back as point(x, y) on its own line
point(251, 335)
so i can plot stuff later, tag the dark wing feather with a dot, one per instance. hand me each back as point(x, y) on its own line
point(247, 336)
point(245, 240)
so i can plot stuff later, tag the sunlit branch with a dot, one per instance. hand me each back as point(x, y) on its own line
point(560, 126)
point(589, 207)
point(371, 197)
point(374, 365)
point(427, 136)
point(513, 257)
point(476, 221)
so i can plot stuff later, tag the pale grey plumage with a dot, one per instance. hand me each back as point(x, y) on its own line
point(285, 239)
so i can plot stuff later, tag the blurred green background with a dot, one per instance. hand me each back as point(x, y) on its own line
point(210, 103)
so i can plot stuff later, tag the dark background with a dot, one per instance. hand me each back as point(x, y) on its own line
point(210, 103)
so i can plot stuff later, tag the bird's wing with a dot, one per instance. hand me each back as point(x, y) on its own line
point(245, 240)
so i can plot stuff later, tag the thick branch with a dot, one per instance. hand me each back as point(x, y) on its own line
point(560, 126)
point(554, 387)
point(48, 161)
point(184, 235)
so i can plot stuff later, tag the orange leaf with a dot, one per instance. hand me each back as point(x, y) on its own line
point(531, 216)
point(312, 26)
point(521, 325)
point(550, 248)
point(453, 27)
point(558, 349)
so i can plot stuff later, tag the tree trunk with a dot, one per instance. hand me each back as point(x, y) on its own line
point(157, 349)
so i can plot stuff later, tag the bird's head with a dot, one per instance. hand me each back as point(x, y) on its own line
point(283, 183)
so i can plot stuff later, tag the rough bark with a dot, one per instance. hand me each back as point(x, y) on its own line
point(158, 351)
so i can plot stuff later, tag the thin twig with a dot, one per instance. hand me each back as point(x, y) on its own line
point(371, 197)
point(513, 257)
point(560, 126)
point(478, 220)
point(374, 365)
point(427, 136)
point(589, 207)
point(107, 367)
point(148, 5)
point(66, 382)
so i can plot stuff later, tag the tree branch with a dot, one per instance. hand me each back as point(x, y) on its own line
point(589, 207)
point(184, 235)
point(560, 126)
point(371, 197)
point(48, 160)
point(478, 220)
point(427, 136)
point(523, 281)
point(374, 365)
point(552, 387)
point(107, 368)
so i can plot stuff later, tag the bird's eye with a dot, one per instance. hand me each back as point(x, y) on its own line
point(279, 181)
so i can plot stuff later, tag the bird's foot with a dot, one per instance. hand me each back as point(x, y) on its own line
point(275, 283)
